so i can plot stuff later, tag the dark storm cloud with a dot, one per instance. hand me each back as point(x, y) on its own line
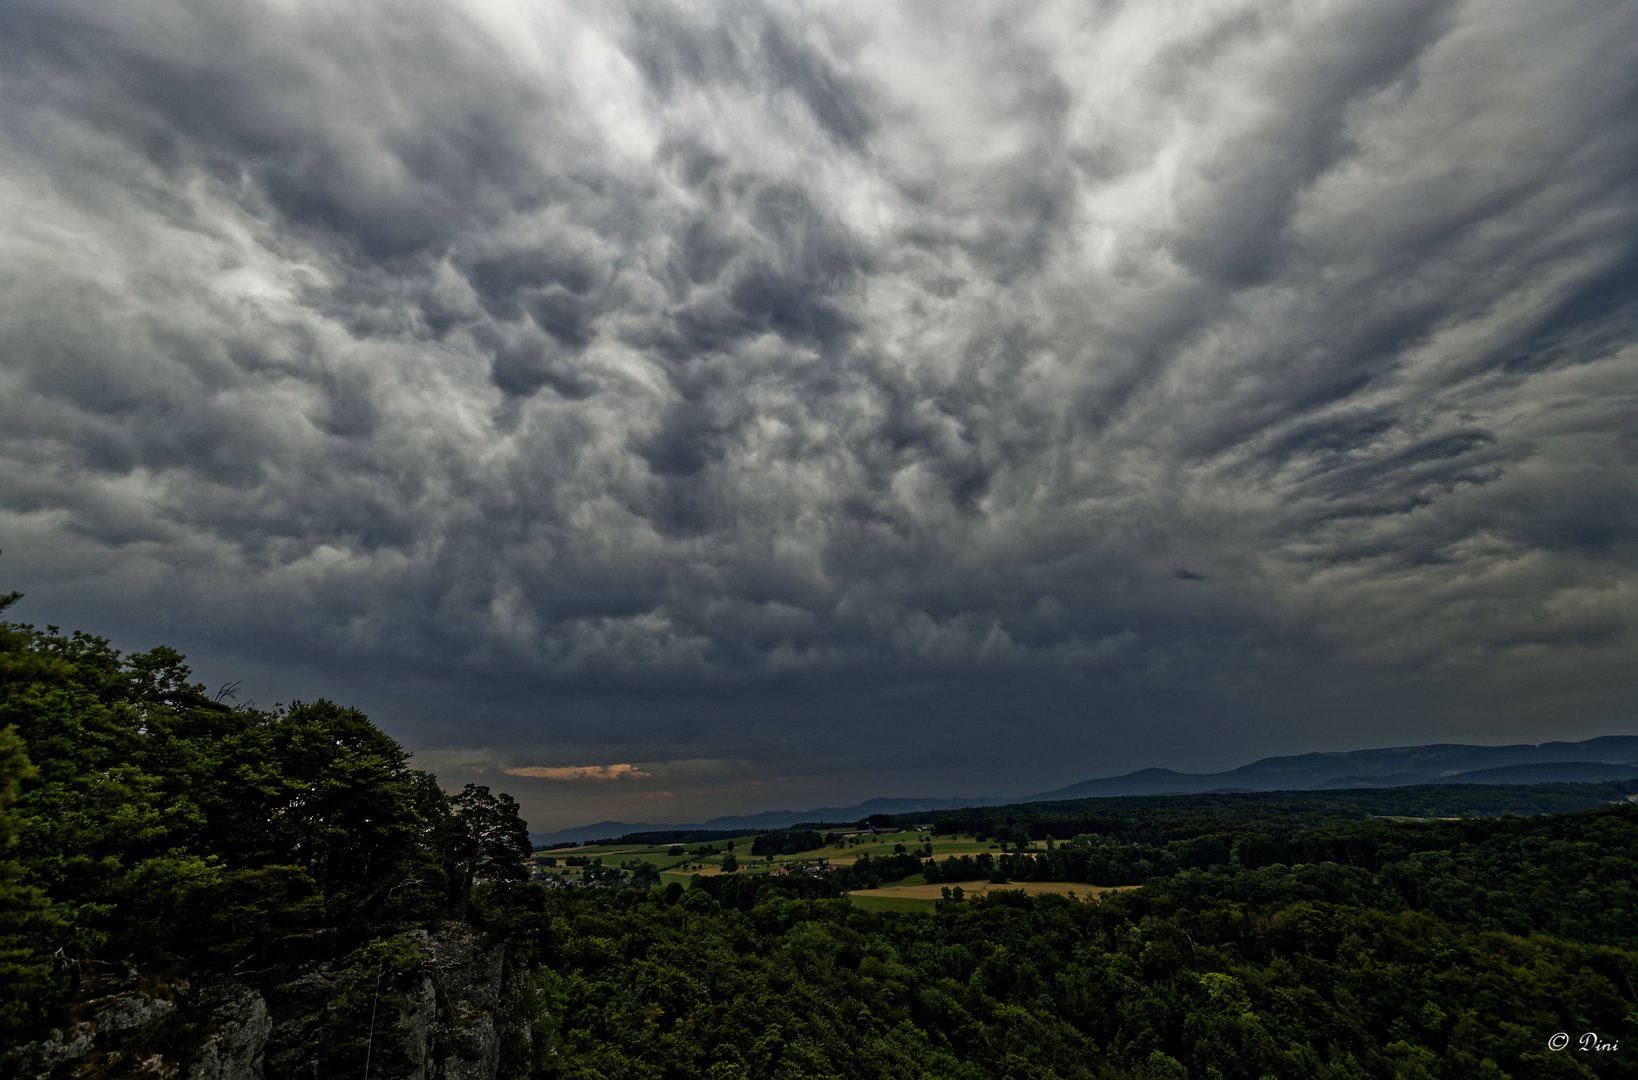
point(591, 387)
point(755, 51)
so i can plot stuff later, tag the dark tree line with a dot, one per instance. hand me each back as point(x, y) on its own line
point(1160, 819)
point(789, 842)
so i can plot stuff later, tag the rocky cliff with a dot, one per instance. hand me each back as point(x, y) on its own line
point(433, 1003)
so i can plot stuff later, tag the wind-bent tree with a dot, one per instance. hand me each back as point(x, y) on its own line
point(483, 839)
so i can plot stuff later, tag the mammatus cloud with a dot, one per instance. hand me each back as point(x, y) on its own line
point(836, 387)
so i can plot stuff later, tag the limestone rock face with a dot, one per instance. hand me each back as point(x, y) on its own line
point(452, 1019)
point(236, 1039)
point(123, 1017)
point(440, 1014)
point(129, 1013)
point(65, 1046)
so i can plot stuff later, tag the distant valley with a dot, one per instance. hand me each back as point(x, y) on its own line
point(1610, 757)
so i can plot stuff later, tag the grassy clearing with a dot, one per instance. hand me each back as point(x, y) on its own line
point(712, 869)
point(656, 855)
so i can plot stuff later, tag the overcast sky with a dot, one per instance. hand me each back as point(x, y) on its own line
point(667, 410)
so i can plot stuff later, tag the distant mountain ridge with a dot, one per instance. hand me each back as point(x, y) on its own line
point(1609, 757)
point(1395, 766)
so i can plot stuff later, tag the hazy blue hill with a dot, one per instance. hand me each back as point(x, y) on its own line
point(1384, 767)
point(1568, 772)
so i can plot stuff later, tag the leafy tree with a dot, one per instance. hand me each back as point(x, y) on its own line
point(316, 785)
point(643, 876)
point(27, 980)
point(483, 839)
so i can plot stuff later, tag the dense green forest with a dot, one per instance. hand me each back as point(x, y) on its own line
point(152, 832)
point(1008, 986)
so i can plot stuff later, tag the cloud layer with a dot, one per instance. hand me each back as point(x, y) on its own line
point(879, 396)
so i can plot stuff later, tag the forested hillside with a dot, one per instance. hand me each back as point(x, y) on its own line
point(153, 832)
point(1573, 875)
point(1008, 986)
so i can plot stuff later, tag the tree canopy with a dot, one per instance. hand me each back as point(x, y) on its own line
point(146, 825)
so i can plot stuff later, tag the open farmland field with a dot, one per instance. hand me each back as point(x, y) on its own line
point(851, 848)
point(707, 868)
point(658, 856)
point(926, 894)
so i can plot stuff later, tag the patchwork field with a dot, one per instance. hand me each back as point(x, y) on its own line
point(682, 867)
